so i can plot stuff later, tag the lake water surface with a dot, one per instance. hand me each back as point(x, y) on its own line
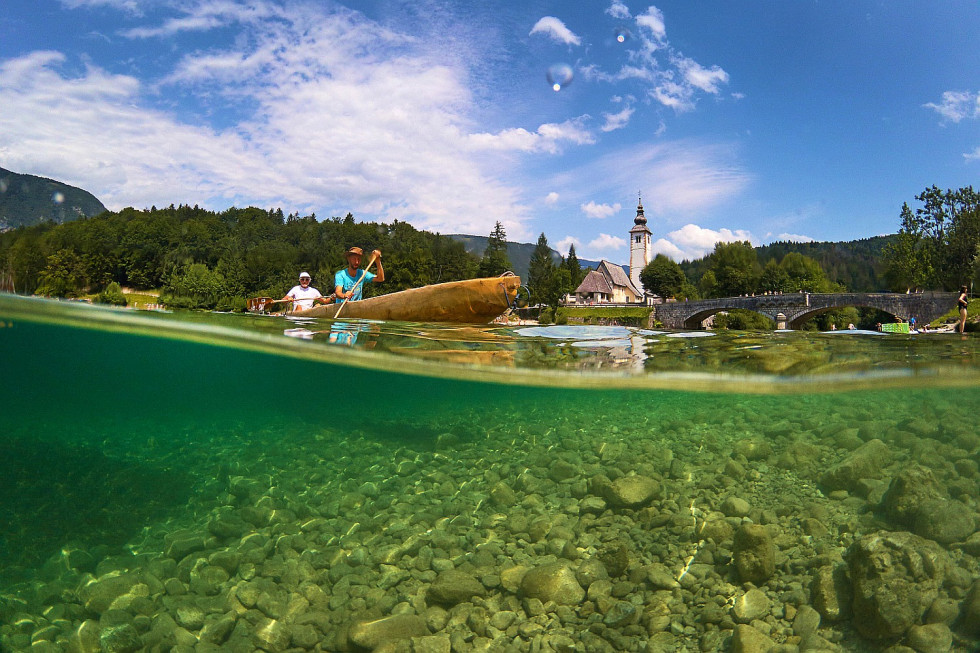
point(226, 482)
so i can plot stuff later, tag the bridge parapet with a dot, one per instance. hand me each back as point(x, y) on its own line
point(799, 307)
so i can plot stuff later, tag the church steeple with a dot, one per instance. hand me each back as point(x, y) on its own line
point(640, 218)
point(639, 244)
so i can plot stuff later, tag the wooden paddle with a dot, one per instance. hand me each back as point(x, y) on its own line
point(354, 287)
point(259, 303)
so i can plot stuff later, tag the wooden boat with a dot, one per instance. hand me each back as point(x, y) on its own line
point(473, 301)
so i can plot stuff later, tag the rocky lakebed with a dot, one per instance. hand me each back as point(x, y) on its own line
point(830, 525)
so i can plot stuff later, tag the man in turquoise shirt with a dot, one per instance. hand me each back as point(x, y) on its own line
point(346, 279)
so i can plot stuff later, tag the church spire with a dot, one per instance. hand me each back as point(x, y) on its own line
point(640, 219)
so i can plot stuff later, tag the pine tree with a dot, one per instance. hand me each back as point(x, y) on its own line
point(495, 261)
point(540, 270)
point(575, 272)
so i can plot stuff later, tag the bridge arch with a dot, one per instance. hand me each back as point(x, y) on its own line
point(799, 307)
point(797, 320)
point(694, 321)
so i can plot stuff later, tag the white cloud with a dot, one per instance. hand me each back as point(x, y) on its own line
point(337, 114)
point(794, 238)
point(551, 198)
point(672, 79)
point(677, 178)
point(209, 14)
point(605, 242)
point(600, 211)
point(973, 156)
point(547, 138)
point(129, 6)
point(616, 121)
point(653, 20)
point(692, 242)
point(555, 28)
point(566, 242)
point(700, 77)
point(618, 10)
point(957, 106)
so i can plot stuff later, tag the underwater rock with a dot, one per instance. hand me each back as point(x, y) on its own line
point(189, 616)
point(621, 613)
point(969, 621)
point(752, 605)
point(908, 489)
point(372, 634)
point(452, 587)
point(590, 571)
point(632, 491)
point(867, 461)
point(552, 582)
point(930, 638)
point(431, 644)
point(944, 520)
point(896, 577)
point(806, 622)
point(99, 594)
point(181, 548)
point(735, 507)
point(747, 639)
point(216, 632)
point(753, 449)
point(120, 639)
point(615, 559)
point(754, 554)
point(85, 638)
point(271, 635)
point(562, 471)
point(503, 495)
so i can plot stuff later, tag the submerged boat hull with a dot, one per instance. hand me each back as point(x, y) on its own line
point(473, 301)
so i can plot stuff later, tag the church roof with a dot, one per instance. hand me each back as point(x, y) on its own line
point(594, 282)
point(617, 276)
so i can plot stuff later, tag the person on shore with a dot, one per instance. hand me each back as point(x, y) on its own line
point(346, 279)
point(304, 295)
point(961, 303)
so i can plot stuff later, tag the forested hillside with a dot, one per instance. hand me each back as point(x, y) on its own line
point(208, 257)
point(28, 200)
point(857, 265)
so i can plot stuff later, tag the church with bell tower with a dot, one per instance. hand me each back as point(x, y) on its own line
point(639, 244)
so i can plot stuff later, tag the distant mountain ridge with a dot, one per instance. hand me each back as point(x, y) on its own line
point(858, 264)
point(28, 200)
point(518, 253)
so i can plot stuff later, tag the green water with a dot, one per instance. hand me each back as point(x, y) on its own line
point(123, 432)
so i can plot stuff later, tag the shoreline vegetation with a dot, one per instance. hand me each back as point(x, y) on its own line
point(198, 258)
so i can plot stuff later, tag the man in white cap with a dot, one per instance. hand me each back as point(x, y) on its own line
point(304, 295)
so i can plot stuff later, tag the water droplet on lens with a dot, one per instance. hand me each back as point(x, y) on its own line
point(559, 76)
point(58, 198)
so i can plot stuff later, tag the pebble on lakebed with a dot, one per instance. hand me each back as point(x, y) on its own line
point(747, 534)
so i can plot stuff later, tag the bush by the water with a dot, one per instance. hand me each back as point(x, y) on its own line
point(743, 320)
point(112, 295)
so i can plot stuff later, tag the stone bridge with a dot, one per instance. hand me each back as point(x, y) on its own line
point(794, 309)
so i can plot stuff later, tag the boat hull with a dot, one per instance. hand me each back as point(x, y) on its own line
point(473, 301)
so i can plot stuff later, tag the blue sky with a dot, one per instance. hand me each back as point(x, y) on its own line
point(736, 120)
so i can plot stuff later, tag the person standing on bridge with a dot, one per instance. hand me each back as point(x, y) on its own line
point(961, 303)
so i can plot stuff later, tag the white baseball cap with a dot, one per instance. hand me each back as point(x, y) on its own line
point(304, 274)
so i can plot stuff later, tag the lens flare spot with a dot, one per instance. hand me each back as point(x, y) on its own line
point(58, 198)
point(622, 35)
point(559, 76)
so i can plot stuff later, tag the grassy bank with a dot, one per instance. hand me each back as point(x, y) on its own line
point(626, 316)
